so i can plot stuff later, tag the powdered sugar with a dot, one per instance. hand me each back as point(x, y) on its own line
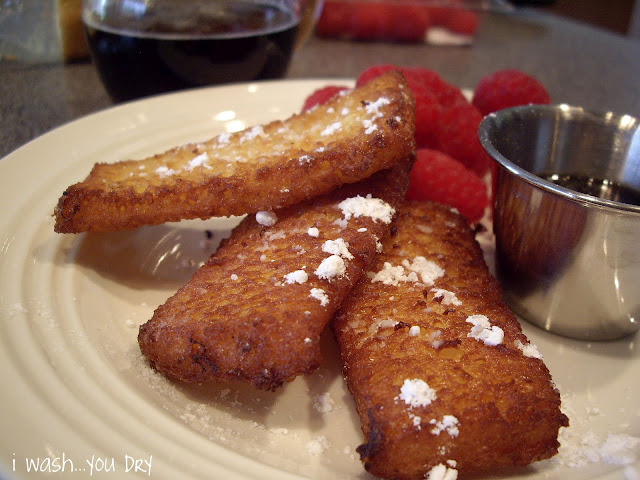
point(580, 445)
point(165, 171)
point(416, 393)
point(330, 267)
point(528, 350)
point(319, 294)
point(449, 424)
point(298, 276)
point(359, 206)
point(373, 108)
point(198, 161)
point(337, 247)
point(419, 270)
point(252, 133)
point(393, 275)
point(331, 129)
point(448, 298)
point(318, 445)
point(324, 403)
point(268, 219)
point(483, 331)
point(442, 472)
point(429, 271)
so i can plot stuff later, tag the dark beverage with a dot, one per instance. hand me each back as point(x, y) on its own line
point(170, 49)
point(595, 187)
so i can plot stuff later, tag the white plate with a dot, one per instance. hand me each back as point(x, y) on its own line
point(75, 386)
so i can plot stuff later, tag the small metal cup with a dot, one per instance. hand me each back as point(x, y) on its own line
point(569, 262)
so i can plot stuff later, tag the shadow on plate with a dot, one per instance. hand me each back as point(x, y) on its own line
point(162, 256)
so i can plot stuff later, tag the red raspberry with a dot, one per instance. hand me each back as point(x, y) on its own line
point(445, 119)
point(420, 80)
point(438, 14)
point(457, 134)
point(438, 177)
point(374, 71)
point(370, 20)
point(508, 88)
point(428, 112)
point(409, 22)
point(446, 94)
point(461, 21)
point(321, 95)
point(335, 19)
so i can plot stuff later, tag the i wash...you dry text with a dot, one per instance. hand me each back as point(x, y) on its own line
point(91, 466)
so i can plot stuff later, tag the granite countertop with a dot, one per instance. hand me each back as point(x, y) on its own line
point(578, 64)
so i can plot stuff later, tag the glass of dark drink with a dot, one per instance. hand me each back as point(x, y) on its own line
point(147, 47)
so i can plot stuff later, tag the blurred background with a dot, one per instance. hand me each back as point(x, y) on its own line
point(621, 16)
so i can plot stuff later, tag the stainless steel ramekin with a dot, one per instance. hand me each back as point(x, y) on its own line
point(569, 262)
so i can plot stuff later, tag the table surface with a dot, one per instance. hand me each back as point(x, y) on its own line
point(579, 65)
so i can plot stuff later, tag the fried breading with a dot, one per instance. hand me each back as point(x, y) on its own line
point(255, 311)
point(261, 168)
point(440, 371)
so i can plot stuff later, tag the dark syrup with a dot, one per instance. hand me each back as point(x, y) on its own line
point(595, 187)
point(149, 55)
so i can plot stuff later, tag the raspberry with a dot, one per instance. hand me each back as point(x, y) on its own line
point(445, 119)
point(508, 88)
point(409, 22)
point(461, 21)
point(440, 178)
point(321, 95)
point(438, 14)
point(457, 135)
point(374, 71)
point(419, 80)
point(335, 19)
point(370, 20)
point(446, 94)
point(428, 112)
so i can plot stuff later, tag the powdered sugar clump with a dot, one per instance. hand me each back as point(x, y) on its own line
point(268, 219)
point(483, 331)
point(429, 271)
point(418, 270)
point(330, 267)
point(442, 472)
point(373, 108)
point(368, 206)
point(416, 393)
point(449, 424)
point(448, 298)
point(393, 275)
point(528, 350)
point(337, 247)
point(299, 276)
point(320, 295)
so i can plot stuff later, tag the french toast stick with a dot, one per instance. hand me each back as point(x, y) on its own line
point(255, 311)
point(261, 168)
point(440, 371)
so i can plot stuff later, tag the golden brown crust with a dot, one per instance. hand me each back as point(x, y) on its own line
point(262, 168)
point(239, 319)
point(505, 405)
